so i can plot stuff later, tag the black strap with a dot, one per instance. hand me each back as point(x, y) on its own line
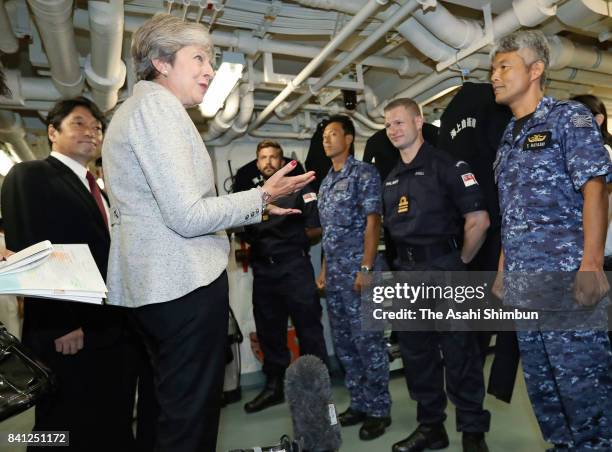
point(237, 337)
point(423, 253)
point(280, 257)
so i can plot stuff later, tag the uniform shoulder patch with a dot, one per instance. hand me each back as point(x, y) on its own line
point(309, 197)
point(582, 120)
point(469, 179)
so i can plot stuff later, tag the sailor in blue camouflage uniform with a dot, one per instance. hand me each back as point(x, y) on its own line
point(550, 169)
point(349, 209)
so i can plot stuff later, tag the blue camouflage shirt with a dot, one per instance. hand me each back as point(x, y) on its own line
point(346, 198)
point(540, 175)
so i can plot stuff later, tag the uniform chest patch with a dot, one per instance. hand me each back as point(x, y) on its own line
point(537, 141)
point(391, 182)
point(402, 206)
point(341, 185)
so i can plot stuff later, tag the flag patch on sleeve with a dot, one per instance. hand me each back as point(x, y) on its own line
point(582, 120)
point(309, 197)
point(468, 179)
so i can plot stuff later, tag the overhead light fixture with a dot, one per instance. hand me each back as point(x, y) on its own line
point(226, 77)
point(8, 158)
point(5, 163)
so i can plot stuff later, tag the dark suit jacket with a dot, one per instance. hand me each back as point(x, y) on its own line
point(45, 200)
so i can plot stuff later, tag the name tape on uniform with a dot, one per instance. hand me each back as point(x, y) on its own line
point(536, 141)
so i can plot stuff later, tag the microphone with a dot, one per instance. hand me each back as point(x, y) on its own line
point(308, 394)
point(285, 445)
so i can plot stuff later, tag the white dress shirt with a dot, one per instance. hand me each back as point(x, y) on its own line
point(81, 173)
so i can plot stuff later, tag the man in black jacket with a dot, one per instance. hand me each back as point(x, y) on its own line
point(283, 280)
point(57, 199)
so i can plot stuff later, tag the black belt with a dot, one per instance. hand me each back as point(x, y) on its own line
point(280, 257)
point(424, 253)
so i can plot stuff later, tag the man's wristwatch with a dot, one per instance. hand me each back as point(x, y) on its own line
point(366, 269)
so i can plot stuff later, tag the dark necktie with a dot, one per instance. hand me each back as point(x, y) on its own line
point(95, 192)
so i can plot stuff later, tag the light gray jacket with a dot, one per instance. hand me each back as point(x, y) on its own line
point(167, 234)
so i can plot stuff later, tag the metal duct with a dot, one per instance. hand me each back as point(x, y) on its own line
point(104, 69)
point(8, 41)
point(54, 20)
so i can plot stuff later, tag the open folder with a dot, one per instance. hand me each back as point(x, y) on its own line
point(65, 272)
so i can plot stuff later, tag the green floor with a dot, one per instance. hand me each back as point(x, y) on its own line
point(513, 427)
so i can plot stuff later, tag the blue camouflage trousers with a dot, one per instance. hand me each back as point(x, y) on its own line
point(361, 353)
point(569, 380)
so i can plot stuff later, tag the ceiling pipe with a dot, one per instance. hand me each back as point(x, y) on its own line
point(303, 135)
point(529, 13)
point(365, 120)
point(582, 77)
point(334, 109)
point(338, 5)
point(471, 63)
point(456, 32)
point(442, 88)
point(224, 119)
point(564, 53)
point(8, 41)
point(524, 13)
point(104, 69)
point(591, 16)
point(24, 89)
point(363, 131)
point(240, 125)
point(54, 20)
point(130, 23)
point(243, 41)
point(364, 45)
point(307, 134)
point(424, 41)
point(346, 32)
point(11, 131)
point(371, 101)
point(32, 105)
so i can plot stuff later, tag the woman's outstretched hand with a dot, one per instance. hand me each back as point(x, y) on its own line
point(279, 184)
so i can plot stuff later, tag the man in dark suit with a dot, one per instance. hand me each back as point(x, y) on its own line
point(57, 199)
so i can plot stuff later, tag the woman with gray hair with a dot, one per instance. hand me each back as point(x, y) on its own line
point(168, 251)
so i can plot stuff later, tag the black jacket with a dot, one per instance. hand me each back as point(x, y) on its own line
point(45, 200)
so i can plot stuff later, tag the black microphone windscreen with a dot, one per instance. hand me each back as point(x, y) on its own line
point(309, 396)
